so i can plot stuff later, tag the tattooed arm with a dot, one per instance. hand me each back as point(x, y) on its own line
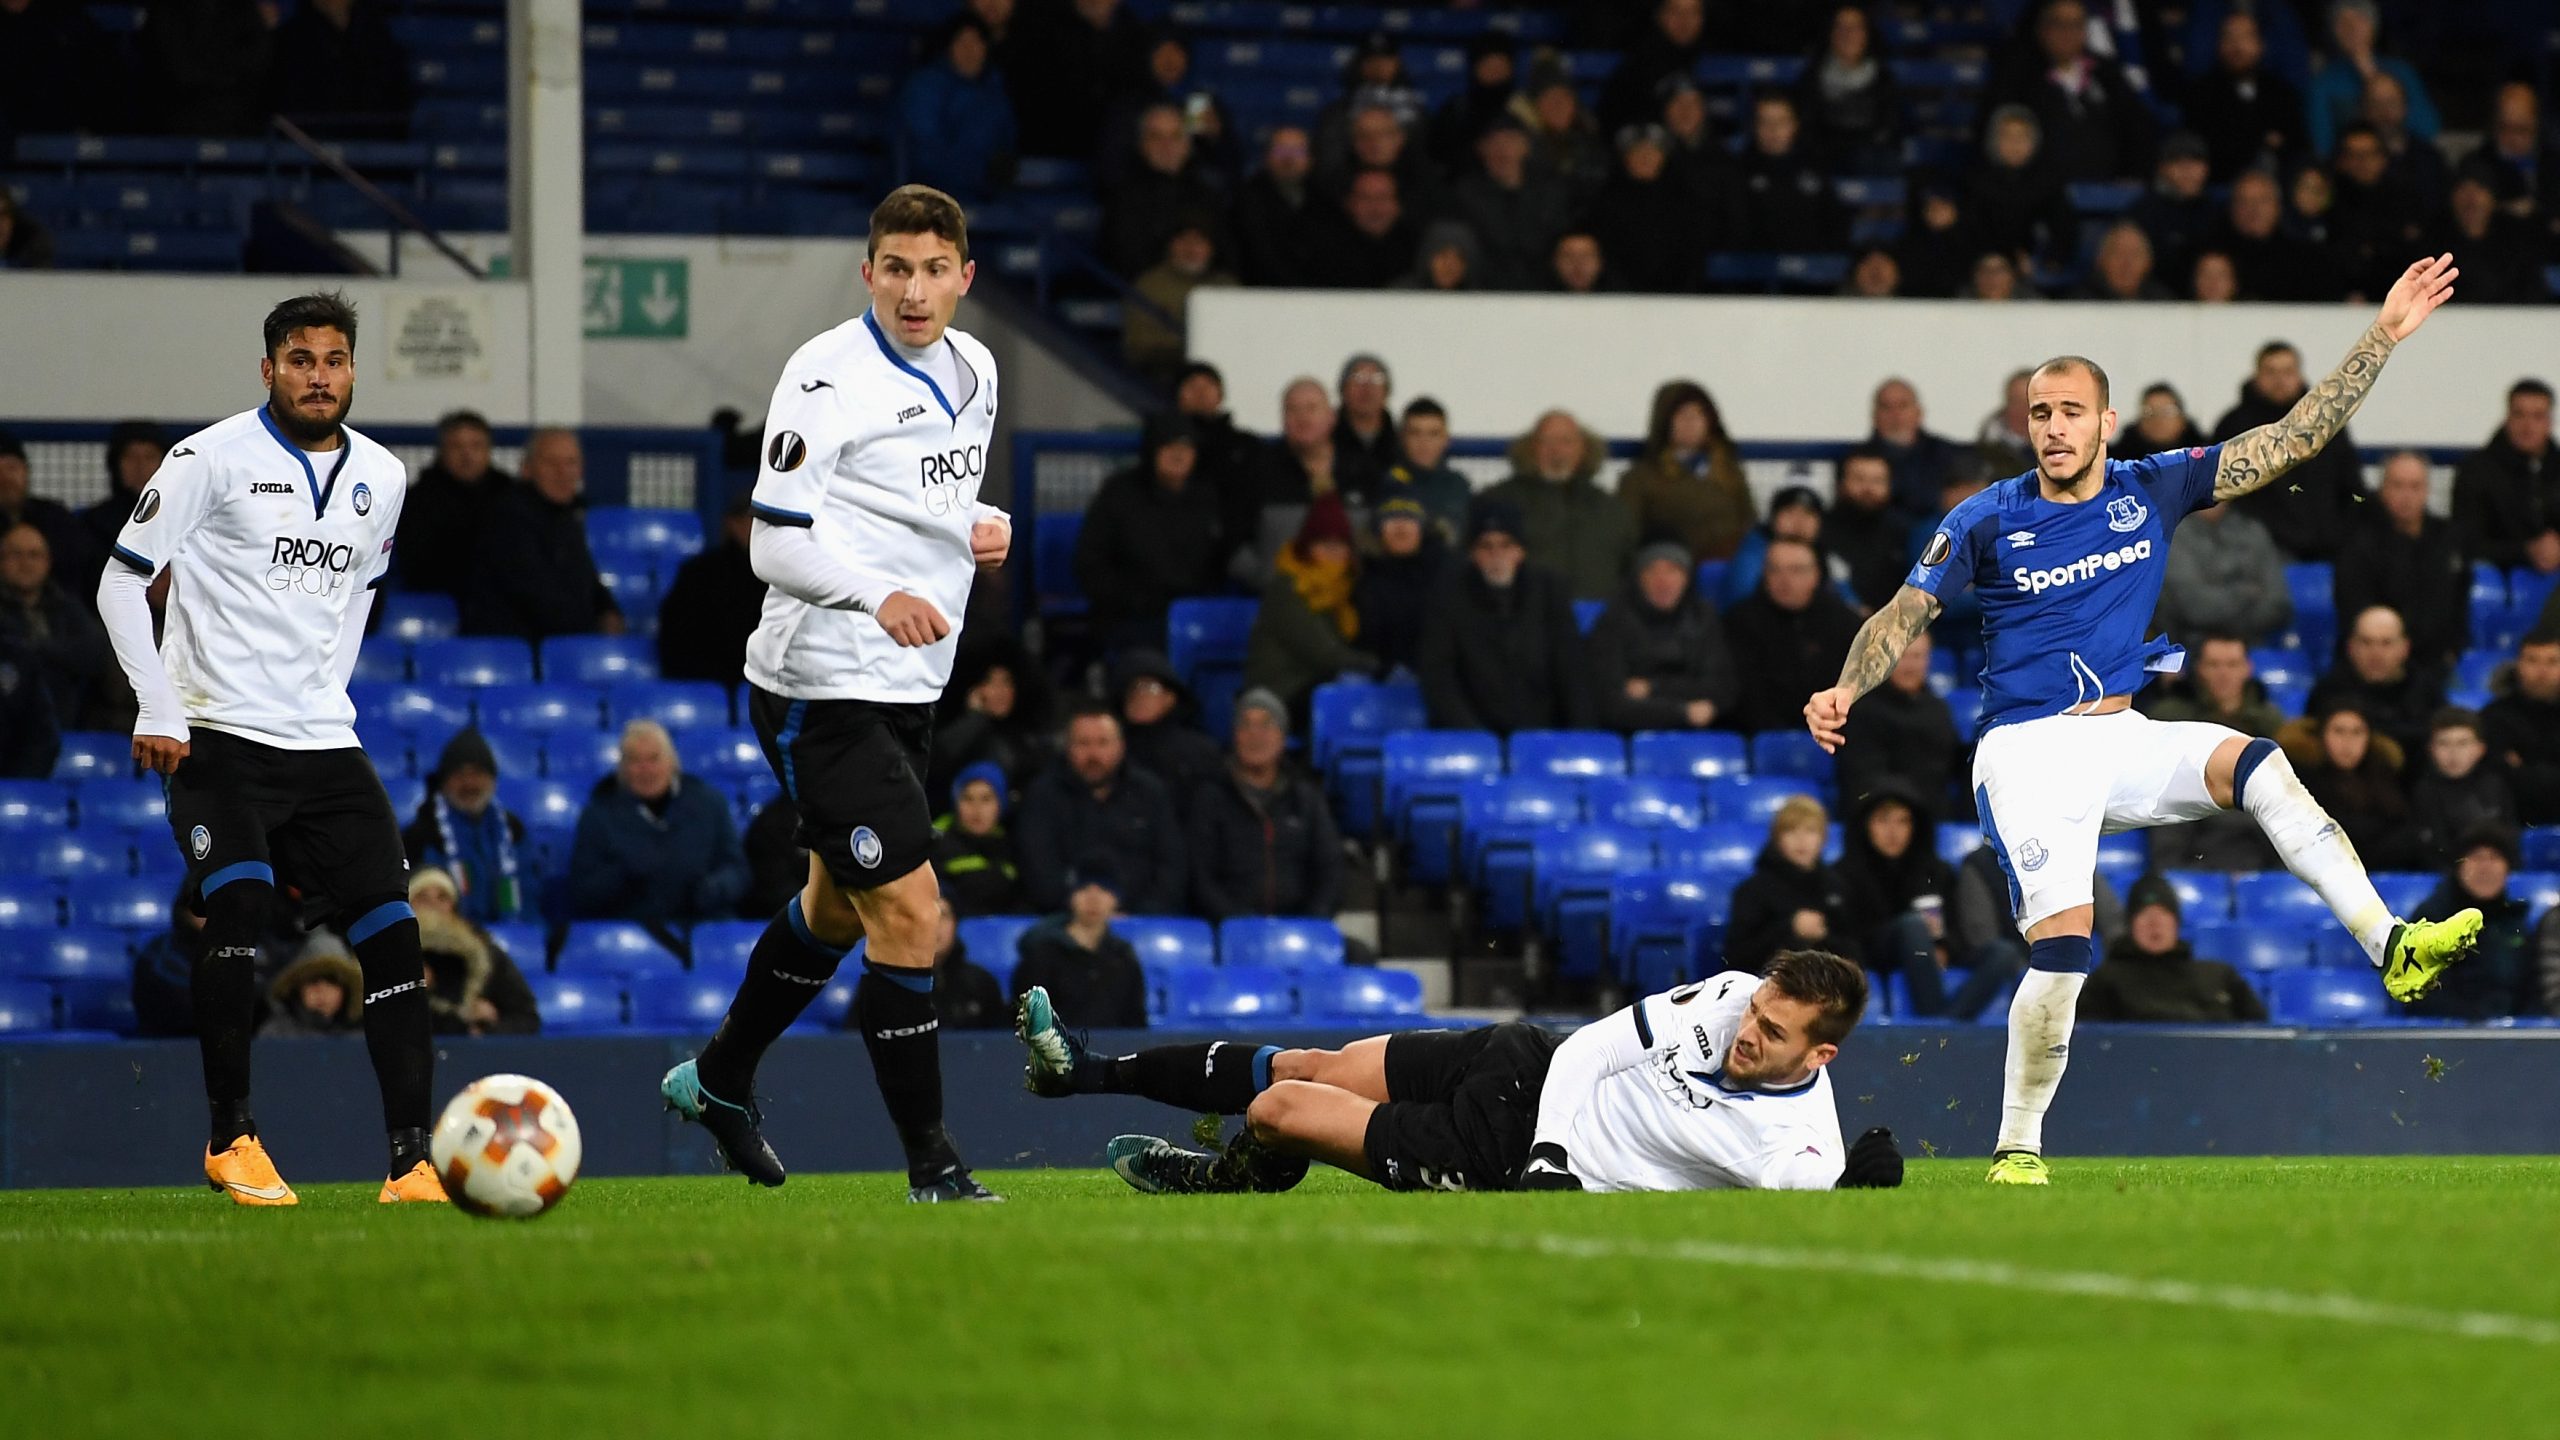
point(1872, 656)
point(2254, 458)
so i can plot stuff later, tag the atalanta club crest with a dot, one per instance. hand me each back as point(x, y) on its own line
point(364, 498)
point(200, 840)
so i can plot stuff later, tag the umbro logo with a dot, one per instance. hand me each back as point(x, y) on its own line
point(2020, 539)
point(813, 386)
point(908, 414)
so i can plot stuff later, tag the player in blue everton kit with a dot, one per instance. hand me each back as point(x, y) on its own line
point(2067, 560)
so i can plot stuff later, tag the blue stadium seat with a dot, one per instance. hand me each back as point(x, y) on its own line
point(2527, 592)
point(622, 529)
point(1573, 870)
point(1659, 923)
point(680, 1004)
point(1790, 754)
point(1355, 716)
point(833, 1004)
point(722, 754)
point(1424, 773)
point(1956, 840)
point(101, 1003)
point(76, 954)
point(93, 755)
point(1210, 632)
point(474, 661)
point(1501, 810)
point(993, 943)
point(2538, 889)
point(539, 708)
point(421, 616)
point(33, 806)
point(1718, 847)
point(412, 709)
point(676, 704)
point(2284, 667)
point(1280, 942)
point(518, 752)
point(1053, 559)
point(1168, 942)
point(2275, 897)
point(29, 902)
point(2403, 891)
point(1752, 799)
point(136, 904)
point(2325, 997)
point(25, 1008)
point(2312, 587)
point(614, 947)
point(1240, 996)
point(2542, 848)
point(2202, 894)
point(576, 1004)
point(545, 804)
point(524, 943)
point(1579, 754)
point(127, 805)
point(598, 659)
point(382, 661)
point(70, 855)
point(581, 757)
point(2477, 668)
point(1653, 801)
point(1692, 754)
point(1586, 613)
point(1964, 707)
point(1358, 994)
point(2249, 946)
point(721, 947)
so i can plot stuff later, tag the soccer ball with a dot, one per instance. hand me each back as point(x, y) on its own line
point(507, 1146)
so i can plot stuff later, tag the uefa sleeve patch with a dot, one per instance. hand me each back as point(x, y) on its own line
point(1940, 547)
point(787, 451)
point(147, 506)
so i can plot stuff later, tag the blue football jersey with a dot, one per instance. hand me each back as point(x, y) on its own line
point(2067, 591)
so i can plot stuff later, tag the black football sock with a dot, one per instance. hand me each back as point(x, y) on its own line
point(224, 988)
point(788, 968)
point(408, 1152)
point(399, 1032)
point(1217, 1078)
point(894, 1007)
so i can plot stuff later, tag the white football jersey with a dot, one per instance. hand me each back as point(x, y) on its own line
point(883, 467)
point(1669, 1122)
point(267, 546)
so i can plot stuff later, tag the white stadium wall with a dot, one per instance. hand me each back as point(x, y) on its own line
point(1802, 370)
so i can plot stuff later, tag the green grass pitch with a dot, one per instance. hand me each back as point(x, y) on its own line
point(2344, 1297)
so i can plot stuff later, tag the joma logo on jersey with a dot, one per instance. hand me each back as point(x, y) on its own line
point(311, 566)
point(908, 414)
point(2036, 582)
point(270, 487)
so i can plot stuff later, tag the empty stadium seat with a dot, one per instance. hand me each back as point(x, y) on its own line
point(2284, 667)
point(29, 902)
point(382, 661)
point(1693, 754)
point(993, 943)
point(1964, 707)
point(1752, 799)
point(539, 707)
point(722, 753)
point(1578, 754)
point(32, 807)
point(576, 1004)
point(102, 1003)
point(413, 708)
point(544, 804)
point(1423, 775)
point(1241, 996)
point(65, 954)
point(2542, 848)
point(1956, 840)
point(614, 947)
point(581, 757)
point(1358, 994)
point(1355, 716)
point(518, 752)
point(523, 941)
point(596, 659)
point(1790, 754)
point(1586, 613)
point(1210, 632)
point(721, 947)
point(1280, 942)
point(473, 661)
point(137, 904)
point(676, 704)
point(1573, 869)
point(2403, 891)
point(2538, 889)
point(2324, 997)
point(2202, 894)
point(680, 1004)
point(93, 755)
point(2249, 946)
point(1653, 801)
point(1728, 847)
point(425, 615)
point(26, 1008)
point(2275, 897)
point(628, 530)
point(69, 855)
point(127, 805)
point(1169, 942)
point(1658, 922)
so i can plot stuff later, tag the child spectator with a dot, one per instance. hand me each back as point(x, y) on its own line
point(2455, 794)
point(972, 854)
point(1791, 899)
point(473, 985)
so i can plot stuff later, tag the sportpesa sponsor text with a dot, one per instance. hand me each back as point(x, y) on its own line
point(2036, 582)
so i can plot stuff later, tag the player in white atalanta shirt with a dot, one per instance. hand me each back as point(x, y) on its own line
point(2068, 561)
point(1719, 1085)
point(870, 530)
point(275, 527)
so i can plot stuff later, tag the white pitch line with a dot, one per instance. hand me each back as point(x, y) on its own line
point(1994, 1274)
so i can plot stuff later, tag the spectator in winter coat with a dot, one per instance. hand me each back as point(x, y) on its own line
point(1090, 970)
point(1923, 464)
point(2152, 974)
point(1307, 630)
point(2096, 125)
point(1160, 726)
point(1658, 656)
point(63, 644)
point(1500, 650)
point(532, 574)
point(995, 710)
point(1155, 533)
point(1669, 45)
point(462, 830)
point(2161, 424)
point(965, 993)
point(1791, 899)
point(2224, 574)
point(1901, 736)
point(1262, 837)
point(339, 72)
point(2245, 111)
point(1190, 262)
point(2503, 977)
point(1577, 531)
point(1897, 887)
point(66, 540)
point(1363, 422)
point(30, 737)
point(2523, 728)
point(135, 449)
point(1170, 186)
point(1515, 214)
point(1938, 247)
point(1306, 461)
point(2015, 202)
point(1686, 484)
point(473, 985)
point(1790, 638)
point(1369, 242)
point(2353, 770)
point(1651, 230)
point(2221, 690)
point(2392, 691)
point(320, 993)
point(1493, 74)
point(1795, 513)
point(2309, 515)
point(2123, 270)
point(1423, 475)
point(2405, 560)
point(2506, 494)
point(1069, 64)
point(1226, 453)
point(1851, 105)
point(2455, 794)
point(1782, 200)
point(955, 121)
point(1277, 215)
point(1865, 532)
point(972, 854)
point(2177, 212)
point(1982, 931)
point(1564, 142)
point(1096, 814)
point(652, 847)
point(713, 605)
point(1396, 585)
point(164, 966)
point(445, 517)
point(2349, 68)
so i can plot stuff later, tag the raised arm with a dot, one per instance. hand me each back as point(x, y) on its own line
point(2253, 459)
point(1872, 656)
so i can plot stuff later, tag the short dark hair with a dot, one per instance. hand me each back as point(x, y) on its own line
point(919, 210)
point(1864, 452)
point(1425, 406)
point(453, 420)
point(2220, 637)
point(2354, 128)
point(1090, 708)
point(2081, 363)
point(320, 308)
point(2453, 717)
point(2528, 386)
point(2277, 347)
point(1836, 988)
point(2540, 635)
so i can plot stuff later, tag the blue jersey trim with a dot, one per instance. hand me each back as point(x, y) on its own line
point(1644, 1028)
point(776, 515)
point(257, 870)
point(378, 919)
point(792, 719)
point(320, 493)
point(137, 562)
point(890, 354)
point(919, 981)
point(1999, 852)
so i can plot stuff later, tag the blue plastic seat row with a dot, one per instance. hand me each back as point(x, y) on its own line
point(571, 758)
point(105, 804)
point(434, 709)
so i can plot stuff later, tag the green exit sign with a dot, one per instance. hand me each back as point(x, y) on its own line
point(637, 299)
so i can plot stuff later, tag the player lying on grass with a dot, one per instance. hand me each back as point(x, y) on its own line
point(1713, 1086)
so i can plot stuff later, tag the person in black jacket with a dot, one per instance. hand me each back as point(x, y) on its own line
point(135, 449)
point(2381, 676)
point(1151, 536)
point(965, 993)
point(2523, 727)
point(1159, 724)
point(2354, 772)
point(1098, 812)
point(713, 605)
point(2152, 974)
point(1500, 650)
point(1782, 201)
point(474, 987)
point(2502, 978)
point(2399, 556)
point(1658, 655)
point(1791, 899)
point(1396, 584)
point(1262, 838)
point(1793, 632)
point(445, 517)
point(2310, 513)
point(995, 710)
point(1903, 735)
point(2454, 794)
point(1900, 894)
point(972, 855)
point(1863, 529)
point(532, 575)
point(2506, 494)
point(1090, 970)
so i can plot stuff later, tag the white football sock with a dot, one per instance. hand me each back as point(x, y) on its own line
point(2315, 849)
point(2039, 1047)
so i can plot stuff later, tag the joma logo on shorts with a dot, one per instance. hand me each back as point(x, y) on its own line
point(2036, 582)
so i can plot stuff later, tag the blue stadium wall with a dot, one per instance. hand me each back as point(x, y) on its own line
point(132, 1113)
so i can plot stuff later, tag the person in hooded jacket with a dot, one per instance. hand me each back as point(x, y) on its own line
point(1686, 484)
point(1393, 593)
point(1791, 899)
point(2503, 977)
point(320, 993)
point(2151, 973)
point(1159, 723)
point(1500, 650)
point(995, 710)
point(473, 985)
point(1155, 533)
point(1900, 896)
point(1308, 628)
point(2455, 793)
point(972, 852)
point(461, 829)
point(1657, 654)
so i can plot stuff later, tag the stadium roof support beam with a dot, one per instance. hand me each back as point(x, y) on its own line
point(546, 199)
